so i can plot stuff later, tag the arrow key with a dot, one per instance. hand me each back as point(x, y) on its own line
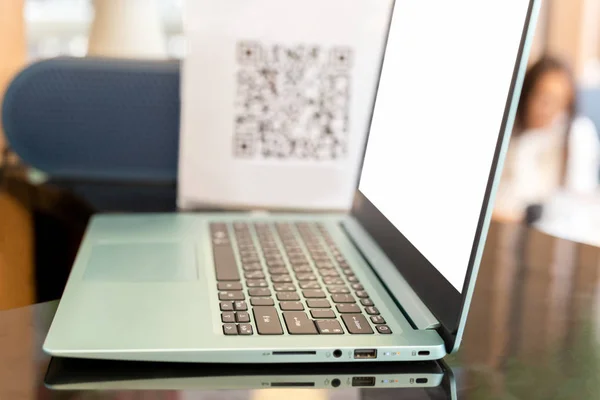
point(229, 329)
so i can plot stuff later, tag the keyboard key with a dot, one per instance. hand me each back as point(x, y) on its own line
point(329, 327)
point(324, 264)
point(259, 292)
point(252, 267)
point(372, 310)
point(267, 321)
point(333, 281)
point(347, 308)
point(328, 273)
point(245, 329)
point(224, 262)
point(357, 324)
point(348, 272)
point(291, 306)
point(242, 316)
point(366, 302)
point(275, 263)
point(377, 319)
point(342, 298)
point(272, 253)
point(231, 295)
point(298, 323)
point(298, 260)
point(240, 226)
point(302, 269)
point(229, 329)
point(256, 283)
point(313, 294)
point(221, 242)
point(352, 279)
point(240, 305)
point(278, 271)
point(250, 259)
point(338, 289)
point(228, 317)
point(310, 285)
point(293, 250)
point(281, 279)
point(284, 287)
point(226, 306)
point(361, 294)
point(357, 286)
point(229, 286)
point(254, 275)
point(216, 227)
point(322, 313)
point(383, 329)
point(306, 277)
point(262, 301)
point(318, 303)
point(288, 296)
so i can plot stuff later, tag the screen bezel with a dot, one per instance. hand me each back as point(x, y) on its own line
point(446, 303)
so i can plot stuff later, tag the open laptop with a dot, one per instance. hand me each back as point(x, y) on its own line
point(390, 281)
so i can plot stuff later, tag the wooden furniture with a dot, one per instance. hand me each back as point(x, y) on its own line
point(16, 227)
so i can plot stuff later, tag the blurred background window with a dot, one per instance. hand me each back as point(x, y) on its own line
point(62, 27)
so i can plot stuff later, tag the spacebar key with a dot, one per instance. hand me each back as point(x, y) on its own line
point(267, 321)
point(225, 265)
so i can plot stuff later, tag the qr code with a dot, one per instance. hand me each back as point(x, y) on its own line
point(292, 102)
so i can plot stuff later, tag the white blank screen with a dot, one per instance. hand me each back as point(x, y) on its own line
point(442, 95)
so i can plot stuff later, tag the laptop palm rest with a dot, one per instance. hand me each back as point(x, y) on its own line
point(148, 261)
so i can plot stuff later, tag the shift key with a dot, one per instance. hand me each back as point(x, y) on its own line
point(267, 321)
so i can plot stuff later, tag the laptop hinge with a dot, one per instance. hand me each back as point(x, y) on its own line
point(422, 317)
point(413, 307)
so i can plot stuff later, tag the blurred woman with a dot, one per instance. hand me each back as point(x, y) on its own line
point(552, 148)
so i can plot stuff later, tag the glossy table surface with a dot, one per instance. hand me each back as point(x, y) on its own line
point(533, 333)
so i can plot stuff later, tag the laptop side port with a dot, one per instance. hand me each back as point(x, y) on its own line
point(365, 353)
point(363, 381)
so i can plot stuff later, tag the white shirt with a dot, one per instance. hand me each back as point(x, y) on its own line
point(533, 166)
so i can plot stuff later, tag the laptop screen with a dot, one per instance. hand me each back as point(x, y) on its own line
point(449, 86)
point(440, 107)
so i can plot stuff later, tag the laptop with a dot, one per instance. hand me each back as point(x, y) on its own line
point(391, 280)
point(431, 377)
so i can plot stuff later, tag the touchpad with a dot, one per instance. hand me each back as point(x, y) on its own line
point(142, 262)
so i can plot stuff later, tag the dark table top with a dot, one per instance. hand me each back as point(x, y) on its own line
point(533, 333)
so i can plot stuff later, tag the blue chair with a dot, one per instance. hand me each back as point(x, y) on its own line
point(89, 122)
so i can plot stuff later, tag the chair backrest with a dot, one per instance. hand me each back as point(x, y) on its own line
point(98, 119)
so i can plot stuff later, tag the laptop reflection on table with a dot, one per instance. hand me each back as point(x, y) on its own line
point(434, 378)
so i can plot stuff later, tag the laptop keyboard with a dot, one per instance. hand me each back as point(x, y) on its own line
point(290, 269)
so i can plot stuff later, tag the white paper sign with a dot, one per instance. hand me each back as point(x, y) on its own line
point(276, 101)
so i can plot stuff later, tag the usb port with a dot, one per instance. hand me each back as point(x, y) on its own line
point(361, 381)
point(365, 353)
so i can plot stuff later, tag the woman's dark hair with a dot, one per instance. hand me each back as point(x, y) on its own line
point(543, 66)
